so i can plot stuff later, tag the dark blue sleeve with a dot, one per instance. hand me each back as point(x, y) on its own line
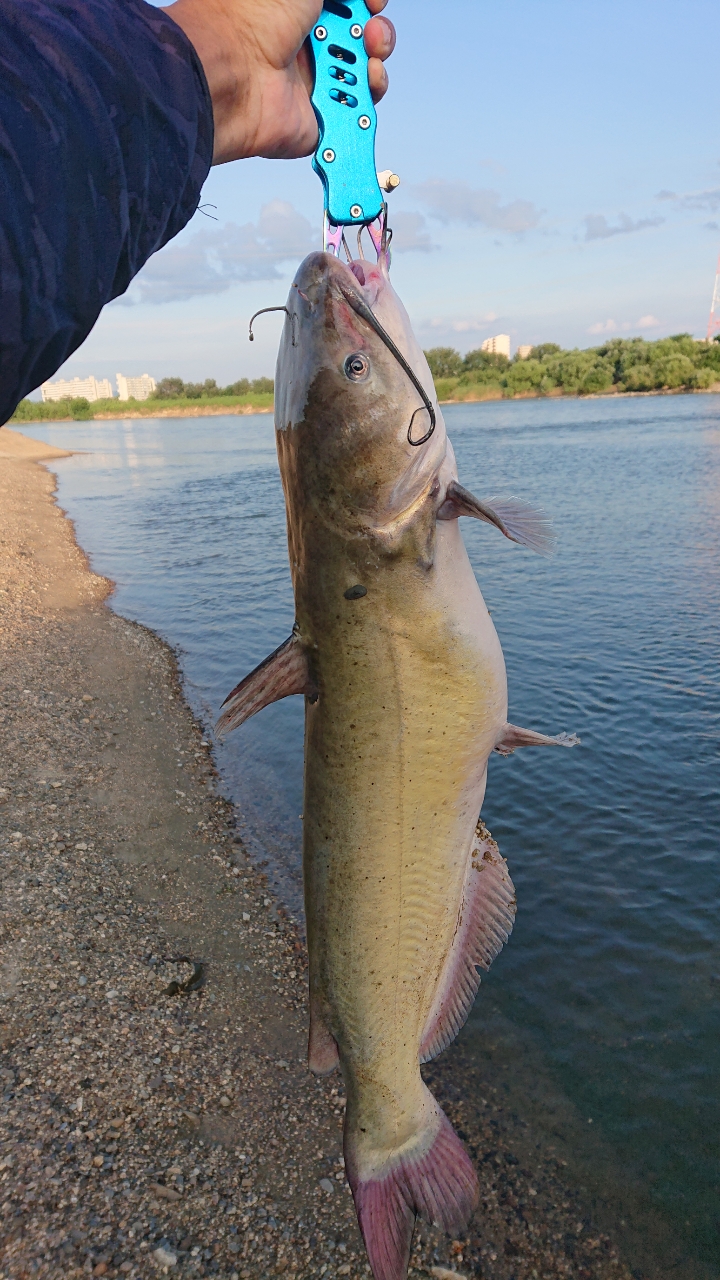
point(106, 138)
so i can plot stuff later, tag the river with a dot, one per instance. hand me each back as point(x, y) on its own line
point(602, 1011)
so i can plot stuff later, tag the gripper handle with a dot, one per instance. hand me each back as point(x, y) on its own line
point(345, 156)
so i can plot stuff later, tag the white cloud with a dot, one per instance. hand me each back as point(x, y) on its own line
point(597, 226)
point(410, 233)
point(706, 200)
point(611, 326)
point(458, 202)
point(215, 259)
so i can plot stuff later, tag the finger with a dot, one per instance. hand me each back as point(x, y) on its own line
point(377, 79)
point(376, 6)
point(306, 66)
point(379, 38)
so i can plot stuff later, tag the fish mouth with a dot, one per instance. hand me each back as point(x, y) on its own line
point(321, 272)
point(352, 283)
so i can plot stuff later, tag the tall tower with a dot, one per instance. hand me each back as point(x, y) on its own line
point(714, 320)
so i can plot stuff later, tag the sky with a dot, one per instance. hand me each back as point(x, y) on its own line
point(560, 182)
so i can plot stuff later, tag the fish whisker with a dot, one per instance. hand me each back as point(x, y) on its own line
point(362, 309)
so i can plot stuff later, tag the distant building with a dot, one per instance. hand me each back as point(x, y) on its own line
point(134, 388)
point(498, 346)
point(523, 352)
point(74, 388)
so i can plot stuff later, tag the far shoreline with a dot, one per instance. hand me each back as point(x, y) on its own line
point(246, 410)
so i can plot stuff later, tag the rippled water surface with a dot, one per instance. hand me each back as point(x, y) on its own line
point(603, 1008)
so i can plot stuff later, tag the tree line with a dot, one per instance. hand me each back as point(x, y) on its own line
point(176, 389)
point(620, 364)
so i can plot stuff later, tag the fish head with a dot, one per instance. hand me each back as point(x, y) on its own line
point(347, 411)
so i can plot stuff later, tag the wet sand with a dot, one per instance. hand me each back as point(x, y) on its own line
point(145, 1128)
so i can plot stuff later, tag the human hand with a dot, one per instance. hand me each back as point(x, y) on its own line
point(259, 73)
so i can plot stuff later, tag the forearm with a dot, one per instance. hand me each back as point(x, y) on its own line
point(105, 141)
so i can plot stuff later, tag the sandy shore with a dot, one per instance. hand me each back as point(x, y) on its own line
point(143, 1131)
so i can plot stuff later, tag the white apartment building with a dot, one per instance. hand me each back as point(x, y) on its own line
point(88, 388)
point(498, 346)
point(134, 388)
point(524, 351)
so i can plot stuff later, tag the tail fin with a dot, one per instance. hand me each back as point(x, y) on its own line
point(436, 1181)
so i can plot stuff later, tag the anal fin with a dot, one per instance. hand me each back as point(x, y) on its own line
point(486, 918)
point(281, 674)
point(516, 519)
point(514, 736)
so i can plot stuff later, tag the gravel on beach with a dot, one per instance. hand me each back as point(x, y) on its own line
point(158, 1116)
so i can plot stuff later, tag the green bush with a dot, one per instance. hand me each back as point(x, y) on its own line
point(80, 409)
point(444, 362)
point(168, 389)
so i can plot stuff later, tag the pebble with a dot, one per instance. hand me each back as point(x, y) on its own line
point(165, 1258)
point(165, 1193)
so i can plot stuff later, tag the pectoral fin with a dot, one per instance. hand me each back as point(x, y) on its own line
point(517, 520)
point(283, 673)
point(513, 736)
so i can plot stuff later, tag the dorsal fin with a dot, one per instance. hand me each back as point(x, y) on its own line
point(281, 674)
point(486, 918)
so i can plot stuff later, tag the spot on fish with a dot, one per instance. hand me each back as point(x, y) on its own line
point(356, 592)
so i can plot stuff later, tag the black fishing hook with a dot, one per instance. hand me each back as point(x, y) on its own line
point(362, 309)
point(264, 310)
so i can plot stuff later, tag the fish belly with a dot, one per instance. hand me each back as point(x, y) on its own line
point(412, 695)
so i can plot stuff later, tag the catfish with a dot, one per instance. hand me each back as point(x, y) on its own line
point(406, 894)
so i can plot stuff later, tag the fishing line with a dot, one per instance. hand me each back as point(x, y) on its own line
point(362, 309)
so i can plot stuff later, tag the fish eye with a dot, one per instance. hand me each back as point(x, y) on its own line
point(357, 367)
